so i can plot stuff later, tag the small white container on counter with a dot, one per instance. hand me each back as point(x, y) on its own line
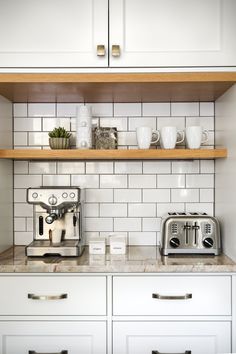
point(97, 246)
point(117, 244)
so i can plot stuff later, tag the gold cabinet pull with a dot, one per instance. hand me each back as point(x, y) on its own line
point(47, 297)
point(172, 297)
point(61, 352)
point(115, 50)
point(157, 352)
point(101, 50)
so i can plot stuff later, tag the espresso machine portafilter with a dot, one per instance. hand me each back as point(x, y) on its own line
point(57, 208)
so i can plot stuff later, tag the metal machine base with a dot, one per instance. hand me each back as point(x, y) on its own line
point(67, 248)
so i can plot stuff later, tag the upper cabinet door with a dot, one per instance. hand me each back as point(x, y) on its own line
point(172, 33)
point(53, 33)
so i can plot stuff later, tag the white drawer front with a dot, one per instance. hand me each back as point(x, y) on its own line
point(172, 337)
point(133, 295)
point(53, 337)
point(84, 295)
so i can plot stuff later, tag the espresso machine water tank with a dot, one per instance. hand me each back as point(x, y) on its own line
point(57, 208)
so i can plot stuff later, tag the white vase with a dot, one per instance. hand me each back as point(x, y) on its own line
point(83, 127)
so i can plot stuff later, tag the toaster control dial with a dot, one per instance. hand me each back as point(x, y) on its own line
point(174, 242)
point(208, 242)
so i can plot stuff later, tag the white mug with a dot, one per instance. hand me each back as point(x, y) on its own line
point(170, 136)
point(144, 137)
point(56, 235)
point(195, 136)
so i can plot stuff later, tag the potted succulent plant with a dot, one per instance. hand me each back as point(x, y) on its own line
point(59, 138)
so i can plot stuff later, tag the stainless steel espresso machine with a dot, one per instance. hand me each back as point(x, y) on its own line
point(57, 208)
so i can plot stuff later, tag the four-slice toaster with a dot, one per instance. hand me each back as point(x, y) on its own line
point(190, 233)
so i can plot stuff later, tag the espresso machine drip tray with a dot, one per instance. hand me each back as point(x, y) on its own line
point(67, 248)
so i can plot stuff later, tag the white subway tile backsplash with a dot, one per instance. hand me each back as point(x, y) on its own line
point(71, 167)
point(184, 195)
point(127, 109)
point(151, 224)
point(131, 167)
point(42, 168)
point(20, 110)
point(142, 210)
point(156, 109)
point(99, 195)
point(142, 238)
point(207, 109)
point(127, 195)
point(156, 195)
point(23, 238)
point(27, 124)
point(127, 224)
point(96, 167)
point(56, 180)
point(200, 181)
point(41, 109)
point(51, 123)
point(134, 123)
point(185, 166)
point(170, 181)
point(99, 224)
point(85, 181)
point(156, 167)
point(113, 210)
point(113, 181)
point(142, 181)
point(185, 109)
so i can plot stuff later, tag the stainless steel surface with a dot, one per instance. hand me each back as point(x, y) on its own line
point(47, 297)
point(190, 233)
point(61, 352)
point(172, 297)
point(157, 352)
point(57, 208)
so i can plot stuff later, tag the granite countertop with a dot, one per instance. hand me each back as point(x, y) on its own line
point(138, 259)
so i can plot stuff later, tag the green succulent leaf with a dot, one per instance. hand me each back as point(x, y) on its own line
point(59, 132)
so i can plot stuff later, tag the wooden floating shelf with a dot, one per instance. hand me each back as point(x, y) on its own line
point(116, 87)
point(151, 154)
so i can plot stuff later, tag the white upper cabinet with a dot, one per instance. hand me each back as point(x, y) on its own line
point(141, 33)
point(53, 33)
point(172, 33)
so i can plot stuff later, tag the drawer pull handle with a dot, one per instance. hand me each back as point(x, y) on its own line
point(115, 50)
point(172, 297)
point(47, 297)
point(157, 352)
point(34, 352)
point(101, 50)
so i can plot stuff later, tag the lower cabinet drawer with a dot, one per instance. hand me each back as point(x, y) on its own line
point(172, 295)
point(52, 337)
point(171, 337)
point(53, 295)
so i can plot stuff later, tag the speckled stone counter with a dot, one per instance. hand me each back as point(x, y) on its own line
point(143, 259)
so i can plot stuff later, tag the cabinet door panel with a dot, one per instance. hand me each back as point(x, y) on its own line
point(172, 337)
point(53, 337)
point(52, 33)
point(173, 32)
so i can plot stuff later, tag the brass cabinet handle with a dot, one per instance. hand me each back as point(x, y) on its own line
point(47, 297)
point(172, 297)
point(115, 50)
point(157, 352)
point(34, 352)
point(101, 50)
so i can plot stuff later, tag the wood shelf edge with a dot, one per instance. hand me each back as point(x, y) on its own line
point(151, 154)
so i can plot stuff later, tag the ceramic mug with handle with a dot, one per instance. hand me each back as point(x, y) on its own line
point(195, 136)
point(145, 137)
point(170, 136)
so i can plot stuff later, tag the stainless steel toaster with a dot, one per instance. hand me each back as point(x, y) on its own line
point(186, 233)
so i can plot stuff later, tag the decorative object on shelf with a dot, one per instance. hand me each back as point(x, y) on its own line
point(170, 137)
point(195, 136)
point(84, 127)
point(145, 136)
point(59, 138)
point(105, 138)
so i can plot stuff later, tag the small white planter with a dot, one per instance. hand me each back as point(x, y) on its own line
point(59, 143)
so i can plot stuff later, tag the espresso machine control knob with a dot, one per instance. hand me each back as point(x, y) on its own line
point(174, 242)
point(52, 200)
point(208, 242)
point(51, 218)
